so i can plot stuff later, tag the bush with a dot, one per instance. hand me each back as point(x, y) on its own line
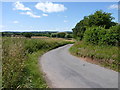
point(112, 36)
point(53, 35)
point(102, 36)
point(61, 35)
point(94, 34)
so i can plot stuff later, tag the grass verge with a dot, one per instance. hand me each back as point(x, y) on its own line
point(106, 56)
point(33, 76)
point(20, 68)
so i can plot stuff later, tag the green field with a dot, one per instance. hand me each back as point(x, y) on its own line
point(20, 68)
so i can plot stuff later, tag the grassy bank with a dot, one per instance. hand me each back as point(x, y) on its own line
point(20, 68)
point(106, 56)
point(33, 78)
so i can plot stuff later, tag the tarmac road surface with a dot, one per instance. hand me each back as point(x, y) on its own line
point(64, 70)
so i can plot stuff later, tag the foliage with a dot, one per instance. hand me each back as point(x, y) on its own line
point(92, 35)
point(68, 36)
point(112, 36)
point(61, 35)
point(20, 61)
point(13, 58)
point(102, 36)
point(27, 35)
point(13, 34)
point(33, 78)
point(30, 34)
point(53, 35)
point(99, 18)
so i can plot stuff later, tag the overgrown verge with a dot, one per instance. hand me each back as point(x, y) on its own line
point(105, 55)
point(33, 78)
point(20, 67)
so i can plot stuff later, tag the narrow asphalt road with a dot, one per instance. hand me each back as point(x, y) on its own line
point(64, 70)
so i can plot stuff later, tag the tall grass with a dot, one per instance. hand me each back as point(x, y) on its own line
point(20, 61)
point(105, 55)
point(13, 58)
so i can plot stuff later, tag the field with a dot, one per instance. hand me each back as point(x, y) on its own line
point(20, 67)
point(106, 56)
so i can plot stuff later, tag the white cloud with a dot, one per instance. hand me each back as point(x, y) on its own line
point(65, 21)
point(30, 14)
point(15, 22)
point(45, 14)
point(50, 7)
point(20, 6)
point(114, 6)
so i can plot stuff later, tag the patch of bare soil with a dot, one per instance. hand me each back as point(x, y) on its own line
point(96, 61)
point(90, 60)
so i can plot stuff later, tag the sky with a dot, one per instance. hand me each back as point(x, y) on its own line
point(50, 16)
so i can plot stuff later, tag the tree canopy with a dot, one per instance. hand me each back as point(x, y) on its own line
point(99, 18)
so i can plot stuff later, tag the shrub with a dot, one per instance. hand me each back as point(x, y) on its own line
point(53, 35)
point(112, 36)
point(102, 36)
point(61, 35)
point(94, 34)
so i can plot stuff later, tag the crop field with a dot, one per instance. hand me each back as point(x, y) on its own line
point(20, 67)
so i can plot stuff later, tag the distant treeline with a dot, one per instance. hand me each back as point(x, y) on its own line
point(30, 34)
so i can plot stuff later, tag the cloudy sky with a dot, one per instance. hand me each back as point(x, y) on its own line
point(50, 16)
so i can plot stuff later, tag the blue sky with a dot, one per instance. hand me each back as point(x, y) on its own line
point(50, 16)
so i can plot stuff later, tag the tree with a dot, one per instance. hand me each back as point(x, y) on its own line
point(27, 34)
point(99, 18)
point(53, 35)
point(61, 35)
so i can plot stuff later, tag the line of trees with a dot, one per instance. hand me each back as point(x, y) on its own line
point(98, 28)
point(62, 35)
point(26, 34)
point(30, 34)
